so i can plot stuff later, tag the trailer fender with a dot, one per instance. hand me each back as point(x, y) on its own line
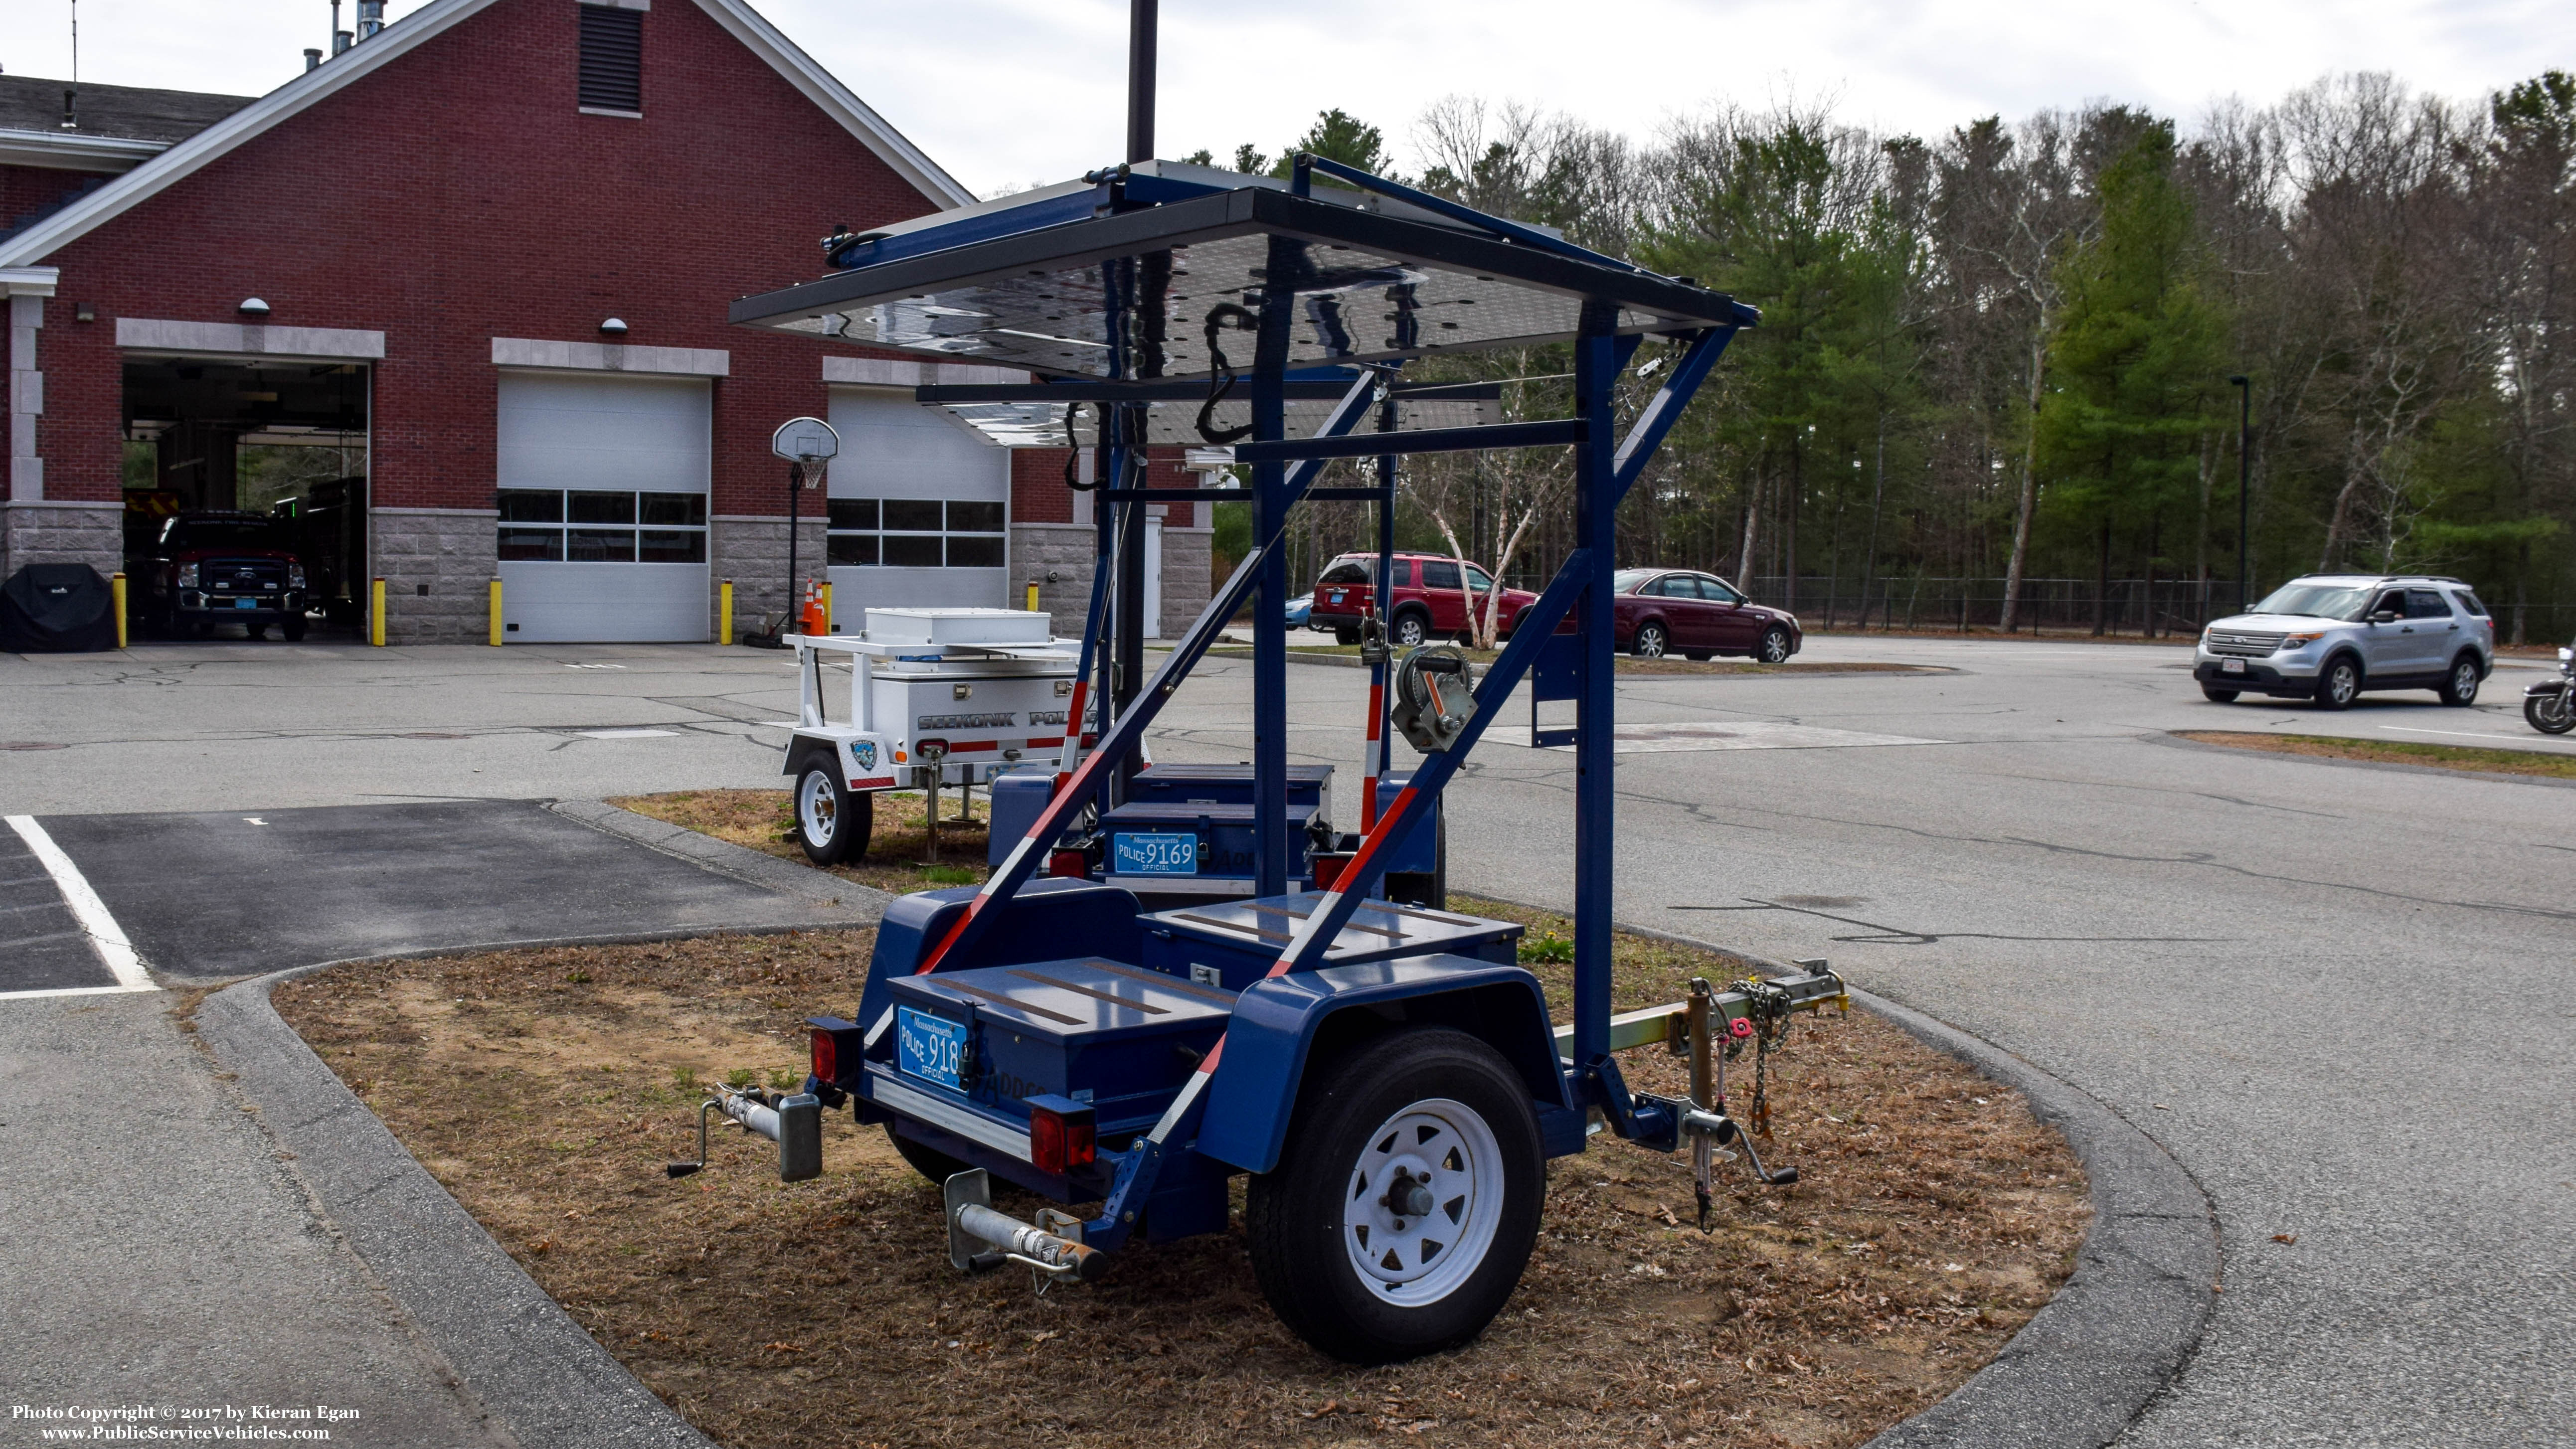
point(1285, 1021)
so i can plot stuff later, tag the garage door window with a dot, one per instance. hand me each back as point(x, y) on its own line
point(586, 525)
point(915, 533)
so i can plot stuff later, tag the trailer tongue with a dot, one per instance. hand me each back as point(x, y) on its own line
point(1384, 1068)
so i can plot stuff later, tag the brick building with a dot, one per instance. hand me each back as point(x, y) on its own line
point(455, 297)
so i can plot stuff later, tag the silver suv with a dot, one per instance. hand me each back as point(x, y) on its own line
point(2328, 637)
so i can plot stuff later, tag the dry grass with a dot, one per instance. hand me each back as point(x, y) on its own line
point(546, 1088)
point(898, 848)
point(2536, 763)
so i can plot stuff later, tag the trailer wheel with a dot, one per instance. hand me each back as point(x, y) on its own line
point(1402, 1212)
point(929, 1162)
point(831, 823)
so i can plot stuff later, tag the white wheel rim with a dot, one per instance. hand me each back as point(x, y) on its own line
point(815, 810)
point(2464, 681)
point(1408, 632)
point(1650, 644)
point(1411, 1260)
point(1775, 647)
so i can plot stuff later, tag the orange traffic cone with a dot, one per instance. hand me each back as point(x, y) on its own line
point(810, 620)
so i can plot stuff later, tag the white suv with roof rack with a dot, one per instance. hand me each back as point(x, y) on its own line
point(2328, 637)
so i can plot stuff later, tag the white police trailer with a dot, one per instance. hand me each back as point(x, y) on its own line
point(931, 697)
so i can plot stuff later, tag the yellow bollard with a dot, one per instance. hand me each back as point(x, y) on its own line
point(496, 613)
point(1033, 596)
point(829, 627)
point(724, 612)
point(376, 613)
point(116, 586)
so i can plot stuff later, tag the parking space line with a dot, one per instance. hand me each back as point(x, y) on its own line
point(106, 937)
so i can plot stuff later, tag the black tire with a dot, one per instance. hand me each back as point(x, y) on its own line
point(294, 630)
point(1651, 640)
point(929, 1162)
point(1431, 1099)
point(1342, 635)
point(2216, 695)
point(1696, 656)
point(831, 823)
point(2460, 686)
point(2338, 683)
point(1774, 648)
point(2549, 714)
point(1411, 628)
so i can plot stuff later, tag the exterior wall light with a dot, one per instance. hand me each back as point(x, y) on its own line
point(614, 326)
point(84, 311)
point(253, 307)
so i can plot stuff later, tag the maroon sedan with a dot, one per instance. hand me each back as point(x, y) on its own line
point(1674, 611)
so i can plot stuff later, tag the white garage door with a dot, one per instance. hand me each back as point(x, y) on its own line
point(603, 485)
point(920, 509)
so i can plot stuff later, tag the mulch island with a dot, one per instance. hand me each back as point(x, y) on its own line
point(2537, 763)
point(546, 1089)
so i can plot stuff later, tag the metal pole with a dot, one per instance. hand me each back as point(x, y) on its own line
point(1140, 80)
point(1273, 844)
point(1596, 505)
point(1378, 744)
point(795, 487)
point(2244, 486)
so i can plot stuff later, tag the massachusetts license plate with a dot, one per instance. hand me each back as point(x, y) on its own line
point(2231, 666)
point(1154, 853)
point(245, 603)
point(928, 1047)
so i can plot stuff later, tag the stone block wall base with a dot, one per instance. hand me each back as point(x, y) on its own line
point(1188, 553)
point(62, 532)
point(753, 553)
point(454, 555)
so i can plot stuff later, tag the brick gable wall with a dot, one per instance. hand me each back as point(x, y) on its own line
point(458, 195)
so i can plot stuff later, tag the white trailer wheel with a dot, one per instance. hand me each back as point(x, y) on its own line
point(831, 823)
point(1406, 1197)
point(1425, 1197)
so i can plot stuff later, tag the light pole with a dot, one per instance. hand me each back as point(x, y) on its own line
point(2244, 490)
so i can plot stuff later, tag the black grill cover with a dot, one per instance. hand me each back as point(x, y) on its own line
point(61, 608)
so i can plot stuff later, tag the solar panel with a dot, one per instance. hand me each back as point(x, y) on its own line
point(1059, 297)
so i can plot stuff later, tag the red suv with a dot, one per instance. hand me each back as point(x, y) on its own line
point(1423, 599)
point(1667, 611)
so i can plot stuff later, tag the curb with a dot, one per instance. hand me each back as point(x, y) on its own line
point(864, 904)
point(529, 1363)
point(2121, 1330)
point(519, 1352)
point(2177, 740)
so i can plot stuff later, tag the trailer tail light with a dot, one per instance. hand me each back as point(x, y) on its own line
point(1061, 1134)
point(830, 1041)
point(1072, 864)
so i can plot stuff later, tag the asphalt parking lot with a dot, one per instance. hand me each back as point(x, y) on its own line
point(2336, 993)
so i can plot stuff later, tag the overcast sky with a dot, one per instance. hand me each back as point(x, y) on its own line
point(1007, 93)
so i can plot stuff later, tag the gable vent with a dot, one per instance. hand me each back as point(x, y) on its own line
point(612, 59)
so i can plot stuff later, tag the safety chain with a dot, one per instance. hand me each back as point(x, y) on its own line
point(1767, 1011)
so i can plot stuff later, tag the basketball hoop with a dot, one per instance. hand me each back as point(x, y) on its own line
point(809, 445)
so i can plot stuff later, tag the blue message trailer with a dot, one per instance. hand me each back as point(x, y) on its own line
point(1385, 1071)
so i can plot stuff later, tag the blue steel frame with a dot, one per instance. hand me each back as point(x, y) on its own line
point(1283, 469)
